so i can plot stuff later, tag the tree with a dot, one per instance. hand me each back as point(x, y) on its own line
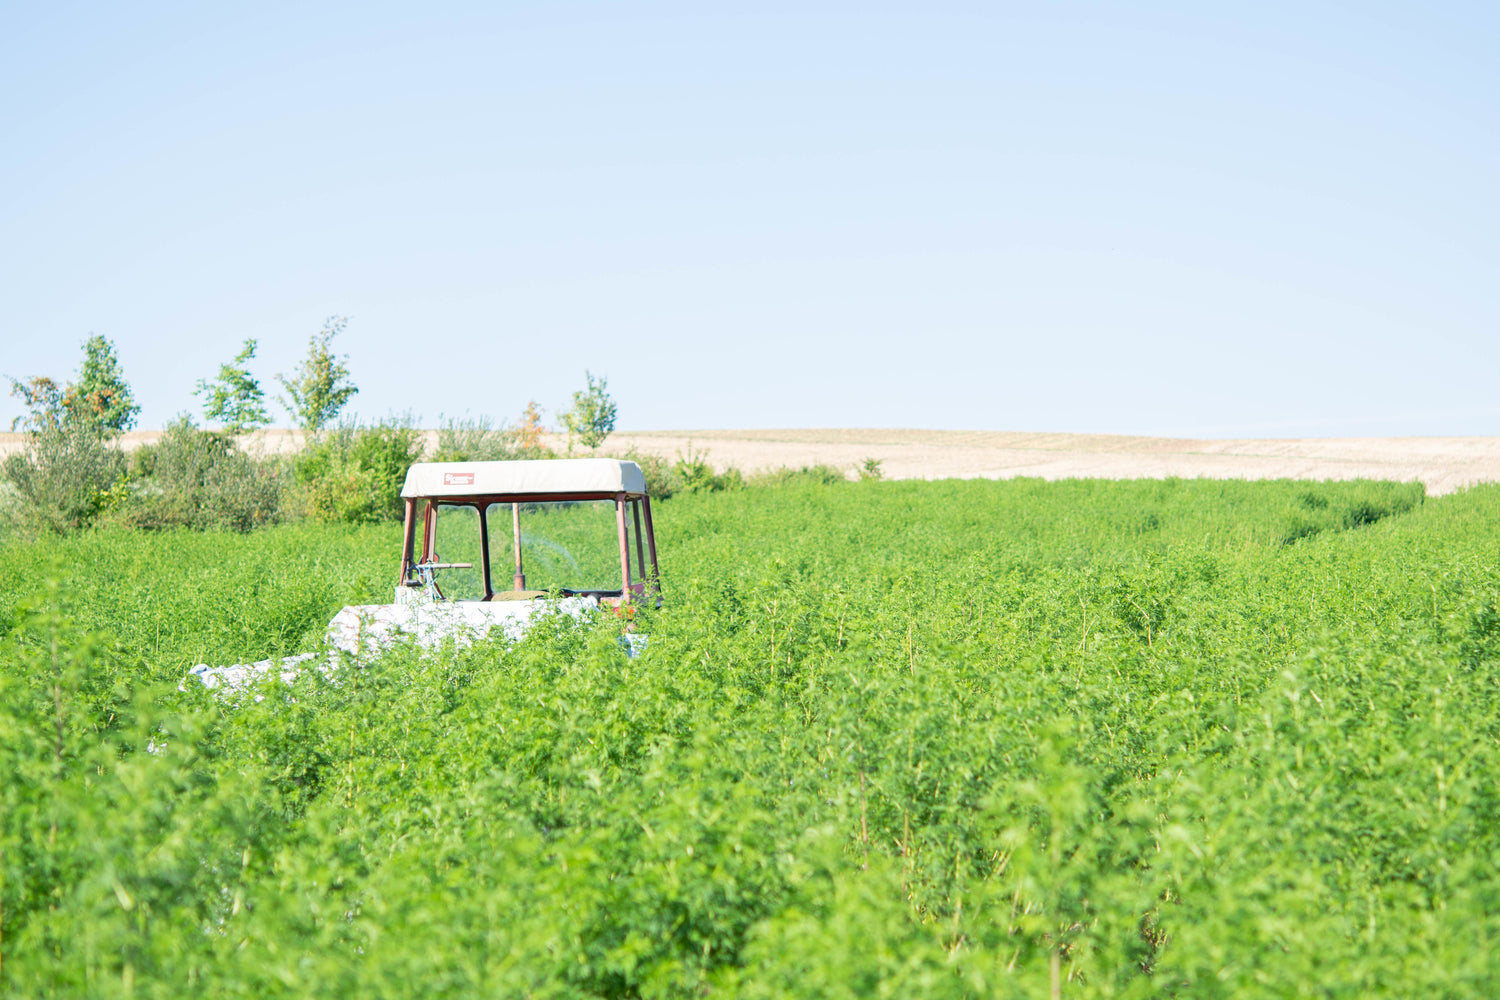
point(44, 399)
point(100, 400)
point(234, 398)
point(593, 414)
point(320, 387)
point(71, 468)
point(101, 395)
point(528, 434)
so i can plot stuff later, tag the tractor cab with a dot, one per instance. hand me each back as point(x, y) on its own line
point(490, 532)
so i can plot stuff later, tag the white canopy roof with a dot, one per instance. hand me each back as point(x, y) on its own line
point(524, 478)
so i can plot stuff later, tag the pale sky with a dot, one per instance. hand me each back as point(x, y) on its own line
point(1217, 220)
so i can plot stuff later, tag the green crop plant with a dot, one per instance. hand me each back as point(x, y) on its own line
point(889, 738)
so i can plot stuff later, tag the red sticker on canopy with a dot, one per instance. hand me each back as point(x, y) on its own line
point(458, 479)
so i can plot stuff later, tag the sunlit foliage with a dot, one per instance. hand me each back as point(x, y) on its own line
point(888, 739)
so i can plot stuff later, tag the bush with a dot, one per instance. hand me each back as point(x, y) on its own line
point(821, 475)
point(71, 467)
point(694, 475)
point(477, 439)
point(194, 478)
point(354, 474)
point(66, 476)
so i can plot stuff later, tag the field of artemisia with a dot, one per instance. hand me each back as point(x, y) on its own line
point(888, 739)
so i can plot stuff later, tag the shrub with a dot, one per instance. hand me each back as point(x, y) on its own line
point(70, 468)
point(695, 475)
point(194, 478)
point(477, 439)
point(66, 475)
point(820, 475)
point(354, 473)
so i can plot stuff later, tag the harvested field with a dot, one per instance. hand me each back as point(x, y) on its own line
point(1442, 464)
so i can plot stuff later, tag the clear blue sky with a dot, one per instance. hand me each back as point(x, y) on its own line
point(1267, 219)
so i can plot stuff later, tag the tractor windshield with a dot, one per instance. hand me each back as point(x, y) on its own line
point(567, 545)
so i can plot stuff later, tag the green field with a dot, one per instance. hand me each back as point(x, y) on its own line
point(902, 739)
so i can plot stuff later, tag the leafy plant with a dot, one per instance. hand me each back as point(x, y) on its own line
point(70, 468)
point(821, 475)
point(661, 480)
point(353, 473)
point(473, 439)
point(477, 439)
point(194, 478)
point(592, 416)
point(234, 397)
point(529, 434)
point(101, 395)
point(100, 399)
point(43, 399)
point(693, 473)
point(320, 387)
point(905, 741)
point(65, 475)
